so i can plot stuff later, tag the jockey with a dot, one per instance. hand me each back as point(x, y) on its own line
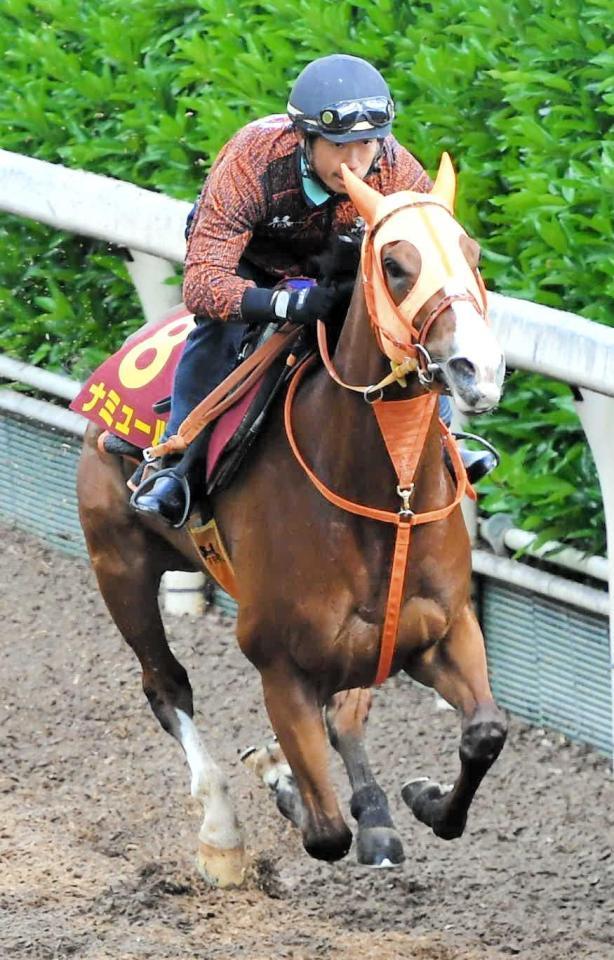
point(271, 202)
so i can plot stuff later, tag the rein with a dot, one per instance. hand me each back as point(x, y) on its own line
point(410, 365)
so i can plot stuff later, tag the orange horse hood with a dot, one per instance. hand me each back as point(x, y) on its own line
point(427, 222)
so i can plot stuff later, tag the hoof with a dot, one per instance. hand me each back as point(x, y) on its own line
point(329, 848)
point(411, 789)
point(379, 847)
point(221, 867)
point(425, 799)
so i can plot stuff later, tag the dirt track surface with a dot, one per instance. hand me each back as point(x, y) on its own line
point(98, 832)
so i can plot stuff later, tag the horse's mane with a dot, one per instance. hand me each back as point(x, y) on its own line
point(338, 262)
point(337, 265)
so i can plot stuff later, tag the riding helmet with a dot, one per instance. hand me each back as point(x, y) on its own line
point(341, 98)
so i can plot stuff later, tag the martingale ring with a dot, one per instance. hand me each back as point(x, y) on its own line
point(367, 394)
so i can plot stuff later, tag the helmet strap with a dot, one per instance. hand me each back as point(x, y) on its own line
point(307, 149)
point(320, 193)
point(375, 166)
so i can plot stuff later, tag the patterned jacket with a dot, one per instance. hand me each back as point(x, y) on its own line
point(252, 205)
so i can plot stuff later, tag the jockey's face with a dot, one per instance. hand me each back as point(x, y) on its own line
point(326, 159)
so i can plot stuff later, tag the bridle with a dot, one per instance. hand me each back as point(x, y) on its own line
point(415, 347)
point(417, 358)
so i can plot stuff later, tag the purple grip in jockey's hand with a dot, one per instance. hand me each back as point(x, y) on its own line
point(296, 283)
point(258, 303)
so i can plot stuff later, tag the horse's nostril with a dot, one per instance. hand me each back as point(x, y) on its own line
point(462, 368)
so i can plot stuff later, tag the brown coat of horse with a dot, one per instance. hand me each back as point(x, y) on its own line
point(313, 582)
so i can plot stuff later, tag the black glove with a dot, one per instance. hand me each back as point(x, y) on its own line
point(325, 303)
point(338, 262)
point(305, 306)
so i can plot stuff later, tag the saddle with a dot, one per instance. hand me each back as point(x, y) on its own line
point(237, 408)
point(236, 430)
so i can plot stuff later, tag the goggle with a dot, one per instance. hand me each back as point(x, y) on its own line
point(355, 114)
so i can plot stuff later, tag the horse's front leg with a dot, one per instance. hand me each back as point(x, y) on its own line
point(378, 843)
point(456, 667)
point(296, 717)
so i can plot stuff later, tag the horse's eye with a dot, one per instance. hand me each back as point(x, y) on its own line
point(394, 269)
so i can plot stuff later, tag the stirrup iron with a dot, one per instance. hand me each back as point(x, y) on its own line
point(149, 481)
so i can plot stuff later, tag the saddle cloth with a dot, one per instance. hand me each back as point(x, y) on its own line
point(122, 397)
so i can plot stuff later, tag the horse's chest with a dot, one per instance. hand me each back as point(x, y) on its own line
point(422, 622)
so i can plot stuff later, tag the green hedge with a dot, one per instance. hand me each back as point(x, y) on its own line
point(519, 91)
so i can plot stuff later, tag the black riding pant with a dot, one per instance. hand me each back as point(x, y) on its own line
point(209, 356)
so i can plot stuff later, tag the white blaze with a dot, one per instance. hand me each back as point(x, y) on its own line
point(475, 341)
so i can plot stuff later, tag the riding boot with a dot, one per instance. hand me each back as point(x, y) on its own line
point(477, 463)
point(169, 491)
point(209, 356)
point(162, 494)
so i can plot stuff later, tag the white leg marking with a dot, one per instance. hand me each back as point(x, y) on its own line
point(441, 704)
point(220, 826)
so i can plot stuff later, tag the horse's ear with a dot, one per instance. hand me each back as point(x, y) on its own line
point(445, 182)
point(364, 197)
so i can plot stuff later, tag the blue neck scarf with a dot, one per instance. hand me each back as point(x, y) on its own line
point(313, 191)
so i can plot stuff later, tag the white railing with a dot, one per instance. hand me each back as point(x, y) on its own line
point(535, 338)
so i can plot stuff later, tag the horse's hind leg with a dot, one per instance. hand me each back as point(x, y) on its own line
point(128, 564)
point(221, 856)
point(269, 765)
point(457, 669)
point(378, 843)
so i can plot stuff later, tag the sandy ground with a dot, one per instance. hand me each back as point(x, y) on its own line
point(98, 832)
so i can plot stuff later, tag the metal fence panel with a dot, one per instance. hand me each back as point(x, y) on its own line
point(37, 482)
point(548, 662)
point(37, 487)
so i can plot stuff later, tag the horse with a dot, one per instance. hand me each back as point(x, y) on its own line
point(324, 515)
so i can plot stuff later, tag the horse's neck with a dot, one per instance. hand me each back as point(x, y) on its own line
point(350, 449)
point(358, 359)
